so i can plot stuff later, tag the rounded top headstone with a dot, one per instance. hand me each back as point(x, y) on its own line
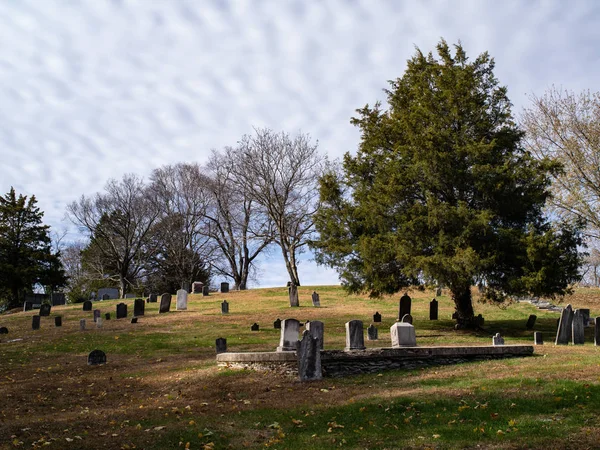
point(96, 357)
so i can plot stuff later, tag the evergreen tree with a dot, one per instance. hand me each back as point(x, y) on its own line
point(442, 192)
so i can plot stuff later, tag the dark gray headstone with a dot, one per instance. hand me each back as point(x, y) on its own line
point(165, 303)
point(597, 331)
point(577, 328)
point(294, 301)
point(134, 320)
point(224, 288)
point(3, 330)
point(121, 310)
point(405, 304)
point(277, 324)
point(82, 324)
point(586, 316)
point(152, 298)
point(433, 309)
point(27, 306)
point(309, 358)
point(377, 317)
point(58, 321)
point(45, 309)
point(497, 339)
point(531, 322)
point(316, 300)
point(372, 333)
point(107, 316)
point(35, 323)
point(97, 314)
point(221, 345)
point(197, 287)
point(205, 291)
point(254, 327)
point(317, 330)
point(96, 357)
point(224, 307)
point(288, 340)
point(407, 318)
point(87, 305)
point(564, 331)
point(537, 338)
point(138, 307)
point(355, 338)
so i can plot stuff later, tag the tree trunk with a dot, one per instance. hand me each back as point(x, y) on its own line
point(465, 317)
point(290, 265)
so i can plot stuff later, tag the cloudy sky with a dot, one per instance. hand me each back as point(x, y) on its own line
point(91, 90)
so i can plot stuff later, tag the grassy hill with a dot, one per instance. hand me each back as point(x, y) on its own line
point(162, 388)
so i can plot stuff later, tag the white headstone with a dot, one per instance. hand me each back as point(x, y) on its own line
point(289, 335)
point(182, 296)
point(403, 335)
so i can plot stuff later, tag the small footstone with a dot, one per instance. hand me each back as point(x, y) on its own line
point(107, 316)
point(82, 325)
point(35, 323)
point(537, 338)
point(58, 321)
point(3, 330)
point(254, 327)
point(134, 320)
point(99, 322)
point(497, 340)
point(277, 324)
point(531, 322)
point(96, 357)
point(221, 345)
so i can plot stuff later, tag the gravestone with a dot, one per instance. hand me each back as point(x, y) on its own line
point(377, 317)
point(438, 292)
point(537, 338)
point(108, 293)
point(309, 358)
point(254, 327)
point(96, 357)
point(221, 345)
point(577, 328)
point(293, 291)
point(224, 288)
point(99, 322)
point(205, 291)
point(403, 335)
point(58, 298)
point(35, 322)
point(372, 333)
point(316, 299)
point(224, 307)
point(27, 306)
point(197, 287)
point(497, 339)
point(405, 303)
point(129, 296)
point(121, 310)
point(597, 331)
point(433, 309)
point(139, 307)
point(45, 309)
point(288, 339)
point(97, 314)
point(107, 316)
point(316, 328)
point(355, 339)
point(479, 320)
point(182, 296)
point(531, 322)
point(105, 297)
point(87, 305)
point(165, 303)
point(3, 330)
point(134, 320)
point(407, 318)
point(152, 298)
point(586, 316)
point(82, 325)
point(277, 324)
point(58, 321)
point(564, 331)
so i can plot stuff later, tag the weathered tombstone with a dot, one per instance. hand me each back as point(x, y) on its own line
point(139, 307)
point(377, 317)
point(107, 316)
point(224, 287)
point(82, 324)
point(96, 357)
point(165, 303)
point(405, 303)
point(99, 322)
point(293, 291)
point(531, 322)
point(289, 335)
point(121, 310)
point(254, 327)
point(58, 298)
point(577, 329)
point(3, 330)
point(182, 296)
point(205, 291)
point(134, 320)
point(433, 309)
point(597, 331)
point(497, 339)
point(224, 307)
point(355, 339)
point(221, 345)
point(372, 333)
point(45, 309)
point(309, 358)
point(438, 292)
point(129, 295)
point(586, 316)
point(152, 298)
point(277, 324)
point(537, 338)
point(105, 297)
point(112, 293)
point(407, 318)
point(58, 321)
point(316, 300)
point(97, 314)
point(197, 287)
point(27, 306)
point(403, 335)
point(317, 330)
point(87, 305)
point(563, 333)
point(35, 322)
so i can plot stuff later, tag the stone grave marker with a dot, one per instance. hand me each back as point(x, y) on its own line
point(3, 330)
point(224, 307)
point(107, 316)
point(433, 309)
point(405, 304)
point(309, 358)
point(317, 330)
point(497, 339)
point(537, 338)
point(316, 300)
point(197, 287)
point(438, 292)
point(152, 298)
point(577, 328)
point(355, 339)
point(403, 335)
point(99, 322)
point(96, 357)
point(121, 310)
point(277, 324)
point(182, 298)
point(27, 306)
point(531, 322)
point(288, 339)
point(165, 303)
point(205, 291)
point(586, 316)
point(224, 288)
point(254, 327)
point(82, 325)
point(564, 331)
point(97, 314)
point(87, 305)
point(221, 345)
point(139, 307)
point(45, 309)
point(293, 291)
point(377, 317)
point(597, 331)
point(35, 322)
point(372, 333)
point(134, 320)
point(407, 318)
point(58, 321)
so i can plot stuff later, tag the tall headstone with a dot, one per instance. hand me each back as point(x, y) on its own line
point(433, 309)
point(277, 324)
point(82, 324)
point(288, 340)
point(537, 338)
point(355, 338)
point(107, 316)
point(97, 314)
point(165, 303)
point(403, 335)
point(221, 345)
point(205, 291)
point(96, 357)
point(182, 297)
point(45, 309)
point(139, 307)
point(372, 333)
point(27, 306)
point(309, 358)
point(531, 322)
point(317, 330)
point(224, 307)
point(293, 291)
point(377, 317)
point(497, 339)
point(564, 331)
point(58, 321)
point(316, 300)
point(254, 327)
point(407, 318)
point(577, 328)
point(121, 310)
point(224, 287)
point(405, 304)
point(87, 305)
point(597, 331)
point(153, 298)
point(35, 322)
